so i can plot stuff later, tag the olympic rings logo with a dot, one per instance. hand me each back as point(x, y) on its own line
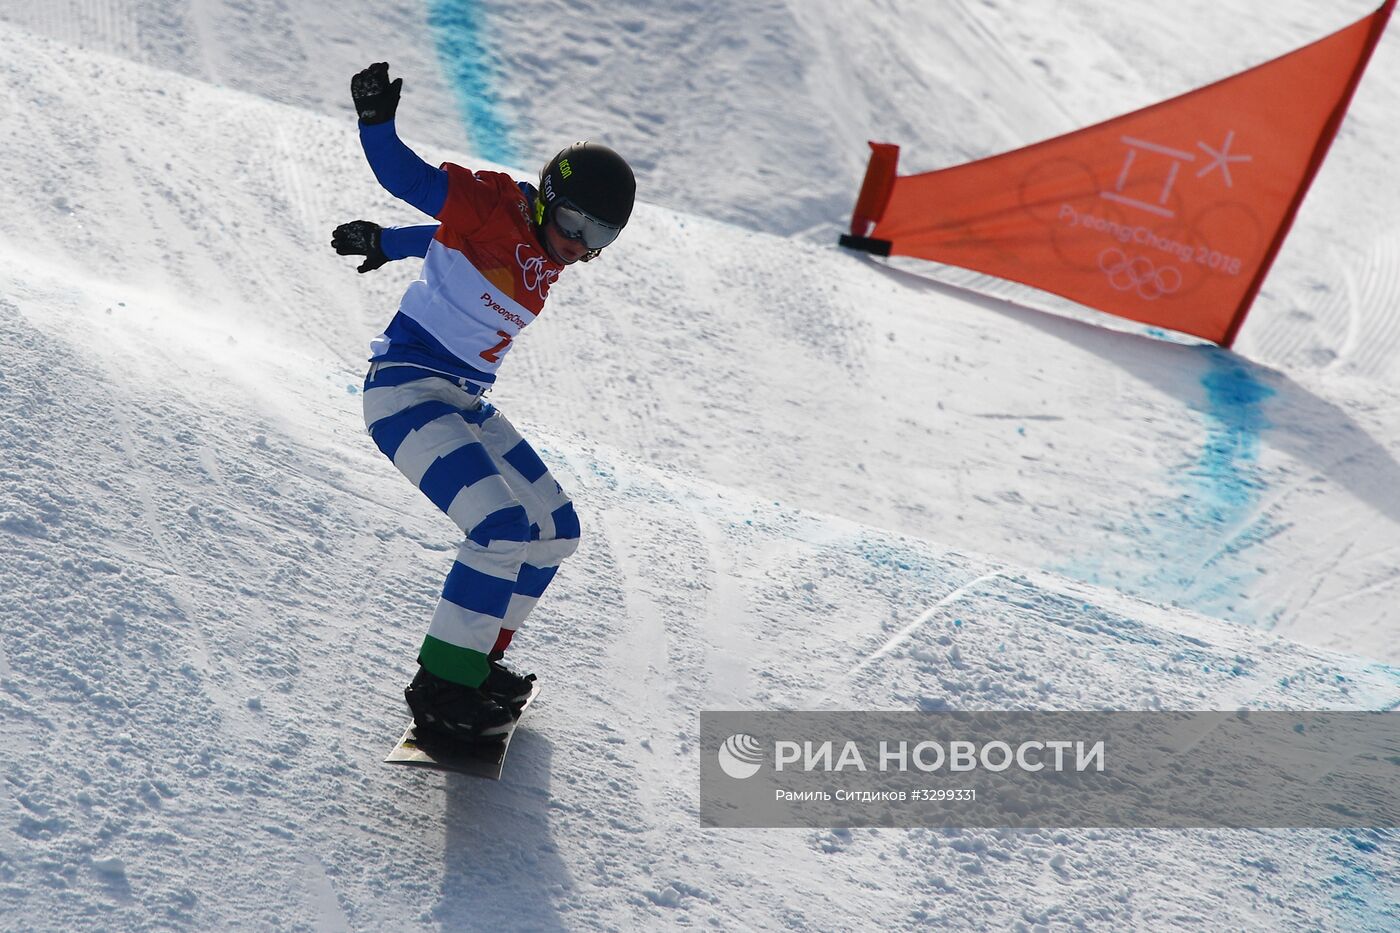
point(534, 277)
point(1138, 273)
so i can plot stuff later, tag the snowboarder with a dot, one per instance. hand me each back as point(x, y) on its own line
point(488, 268)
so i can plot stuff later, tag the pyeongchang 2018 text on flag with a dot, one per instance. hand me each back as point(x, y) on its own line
point(1170, 215)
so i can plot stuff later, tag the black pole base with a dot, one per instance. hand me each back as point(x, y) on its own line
point(866, 244)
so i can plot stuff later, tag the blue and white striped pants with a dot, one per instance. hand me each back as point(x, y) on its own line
point(474, 466)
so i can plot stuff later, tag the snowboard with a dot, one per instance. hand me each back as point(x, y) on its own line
point(484, 760)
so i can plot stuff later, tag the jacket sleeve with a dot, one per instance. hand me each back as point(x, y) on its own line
point(402, 242)
point(399, 169)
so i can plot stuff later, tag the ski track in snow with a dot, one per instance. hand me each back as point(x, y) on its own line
point(213, 584)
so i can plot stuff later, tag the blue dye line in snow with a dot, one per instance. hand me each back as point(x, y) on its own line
point(1222, 489)
point(1177, 562)
point(1227, 478)
point(467, 61)
point(1361, 897)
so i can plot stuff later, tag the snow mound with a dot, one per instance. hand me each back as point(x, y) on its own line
point(805, 481)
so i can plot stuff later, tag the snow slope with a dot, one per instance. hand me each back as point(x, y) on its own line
point(213, 584)
point(756, 114)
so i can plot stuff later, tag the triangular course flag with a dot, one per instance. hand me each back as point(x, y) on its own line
point(1171, 215)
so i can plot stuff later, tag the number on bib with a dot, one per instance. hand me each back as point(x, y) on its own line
point(493, 355)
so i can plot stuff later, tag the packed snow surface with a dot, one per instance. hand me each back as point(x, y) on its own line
point(806, 479)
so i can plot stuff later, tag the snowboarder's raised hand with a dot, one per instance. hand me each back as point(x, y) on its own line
point(361, 238)
point(376, 97)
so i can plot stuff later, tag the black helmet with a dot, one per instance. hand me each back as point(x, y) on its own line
point(591, 178)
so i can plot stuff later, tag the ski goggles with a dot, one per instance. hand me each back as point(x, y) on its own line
point(576, 225)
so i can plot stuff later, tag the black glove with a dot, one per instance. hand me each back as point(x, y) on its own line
point(360, 238)
point(376, 97)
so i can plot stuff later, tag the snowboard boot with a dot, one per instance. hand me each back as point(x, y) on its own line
point(449, 711)
point(508, 688)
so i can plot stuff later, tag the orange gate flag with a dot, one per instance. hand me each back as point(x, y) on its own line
point(1170, 215)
